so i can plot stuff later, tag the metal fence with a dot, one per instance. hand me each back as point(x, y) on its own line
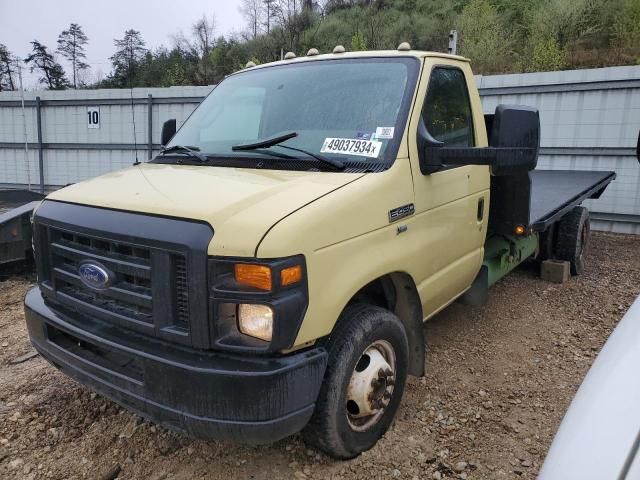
point(75, 135)
point(590, 121)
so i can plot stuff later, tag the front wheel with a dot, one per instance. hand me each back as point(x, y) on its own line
point(363, 384)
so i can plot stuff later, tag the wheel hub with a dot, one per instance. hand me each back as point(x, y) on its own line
point(371, 385)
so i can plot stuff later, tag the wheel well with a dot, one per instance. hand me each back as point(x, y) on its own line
point(397, 292)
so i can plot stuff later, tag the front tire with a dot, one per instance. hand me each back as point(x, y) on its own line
point(363, 384)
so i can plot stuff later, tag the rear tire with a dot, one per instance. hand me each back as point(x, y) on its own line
point(366, 341)
point(573, 238)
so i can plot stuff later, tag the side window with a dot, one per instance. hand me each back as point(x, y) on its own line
point(447, 110)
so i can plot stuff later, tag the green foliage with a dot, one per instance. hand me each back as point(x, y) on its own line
point(626, 26)
point(483, 37)
point(547, 55)
point(358, 43)
point(497, 35)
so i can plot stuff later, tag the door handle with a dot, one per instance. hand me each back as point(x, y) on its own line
point(480, 212)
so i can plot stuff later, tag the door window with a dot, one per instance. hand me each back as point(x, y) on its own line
point(447, 110)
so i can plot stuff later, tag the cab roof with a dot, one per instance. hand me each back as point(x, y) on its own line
point(361, 54)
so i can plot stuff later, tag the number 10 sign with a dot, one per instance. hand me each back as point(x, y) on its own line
point(93, 117)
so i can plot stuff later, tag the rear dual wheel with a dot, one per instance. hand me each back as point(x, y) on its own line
point(572, 238)
point(363, 384)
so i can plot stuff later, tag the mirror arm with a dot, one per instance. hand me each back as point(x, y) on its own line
point(427, 146)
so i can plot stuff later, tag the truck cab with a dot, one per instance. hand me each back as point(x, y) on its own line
point(270, 270)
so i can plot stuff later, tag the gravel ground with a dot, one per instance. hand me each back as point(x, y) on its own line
point(499, 380)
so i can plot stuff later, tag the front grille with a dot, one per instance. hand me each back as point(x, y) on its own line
point(130, 295)
point(129, 300)
point(181, 291)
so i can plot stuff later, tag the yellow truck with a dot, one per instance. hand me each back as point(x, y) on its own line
point(269, 271)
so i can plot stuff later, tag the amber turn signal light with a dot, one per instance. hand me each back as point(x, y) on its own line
point(520, 230)
point(291, 275)
point(257, 276)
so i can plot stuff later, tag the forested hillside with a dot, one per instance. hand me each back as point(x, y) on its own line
point(498, 35)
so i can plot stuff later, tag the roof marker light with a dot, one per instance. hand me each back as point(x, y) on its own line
point(313, 52)
point(289, 55)
point(404, 47)
point(339, 49)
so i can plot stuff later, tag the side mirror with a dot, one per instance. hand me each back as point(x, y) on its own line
point(168, 131)
point(514, 141)
point(515, 136)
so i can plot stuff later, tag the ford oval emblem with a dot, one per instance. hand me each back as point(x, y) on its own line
point(94, 276)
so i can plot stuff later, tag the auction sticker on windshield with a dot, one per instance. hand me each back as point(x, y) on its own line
point(349, 146)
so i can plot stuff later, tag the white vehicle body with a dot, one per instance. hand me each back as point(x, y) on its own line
point(599, 437)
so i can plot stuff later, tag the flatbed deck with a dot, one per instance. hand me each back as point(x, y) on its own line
point(555, 192)
point(10, 199)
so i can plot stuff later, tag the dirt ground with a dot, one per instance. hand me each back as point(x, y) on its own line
point(499, 381)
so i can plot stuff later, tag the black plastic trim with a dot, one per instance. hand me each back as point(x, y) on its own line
point(203, 394)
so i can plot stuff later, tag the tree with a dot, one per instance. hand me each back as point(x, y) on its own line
point(71, 44)
point(270, 12)
point(53, 75)
point(252, 11)
point(6, 69)
point(203, 33)
point(130, 51)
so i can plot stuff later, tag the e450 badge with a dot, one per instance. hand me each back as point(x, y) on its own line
point(401, 212)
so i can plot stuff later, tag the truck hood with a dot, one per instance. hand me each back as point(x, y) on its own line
point(240, 204)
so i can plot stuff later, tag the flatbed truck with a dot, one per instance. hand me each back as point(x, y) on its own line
point(269, 271)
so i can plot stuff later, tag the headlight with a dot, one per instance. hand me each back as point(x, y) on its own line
point(256, 321)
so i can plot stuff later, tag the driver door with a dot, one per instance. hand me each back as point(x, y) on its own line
point(451, 205)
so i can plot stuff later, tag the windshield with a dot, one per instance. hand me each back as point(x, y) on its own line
point(353, 110)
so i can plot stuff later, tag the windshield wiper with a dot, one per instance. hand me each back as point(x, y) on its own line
point(191, 151)
point(276, 141)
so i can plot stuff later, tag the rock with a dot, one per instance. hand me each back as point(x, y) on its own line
point(460, 466)
point(525, 463)
point(24, 358)
point(436, 475)
point(395, 473)
point(300, 475)
point(13, 464)
point(112, 473)
point(3, 454)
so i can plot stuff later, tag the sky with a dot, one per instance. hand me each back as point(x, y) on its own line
point(22, 21)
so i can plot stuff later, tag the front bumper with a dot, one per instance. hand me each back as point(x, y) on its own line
point(203, 394)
